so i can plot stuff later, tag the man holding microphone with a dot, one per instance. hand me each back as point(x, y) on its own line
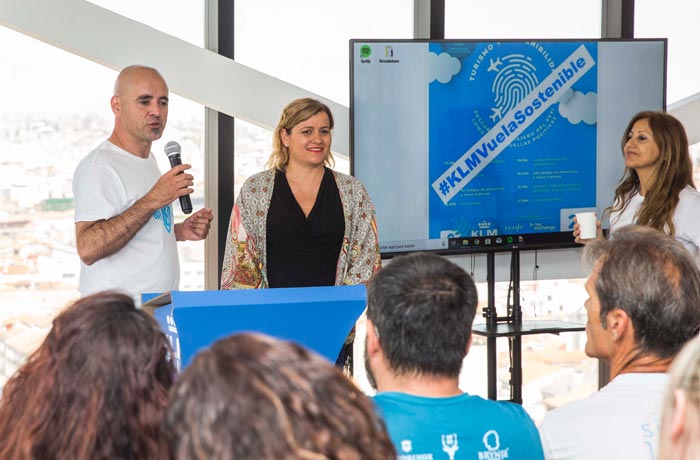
point(124, 229)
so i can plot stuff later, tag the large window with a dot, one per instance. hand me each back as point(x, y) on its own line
point(519, 19)
point(306, 42)
point(48, 124)
point(678, 22)
point(54, 111)
point(180, 18)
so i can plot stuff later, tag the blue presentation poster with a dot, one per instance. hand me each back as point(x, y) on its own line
point(512, 136)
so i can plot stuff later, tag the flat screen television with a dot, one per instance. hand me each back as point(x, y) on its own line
point(487, 145)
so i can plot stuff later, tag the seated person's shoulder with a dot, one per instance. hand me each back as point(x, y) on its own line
point(504, 408)
point(565, 415)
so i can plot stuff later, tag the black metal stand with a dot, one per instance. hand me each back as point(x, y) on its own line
point(511, 326)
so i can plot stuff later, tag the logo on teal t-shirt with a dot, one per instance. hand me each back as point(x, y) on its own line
point(449, 444)
point(492, 442)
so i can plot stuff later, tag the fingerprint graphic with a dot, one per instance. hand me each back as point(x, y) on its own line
point(515, 80)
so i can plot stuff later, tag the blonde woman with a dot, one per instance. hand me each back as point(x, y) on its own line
point(680, 423)
point(299, 223)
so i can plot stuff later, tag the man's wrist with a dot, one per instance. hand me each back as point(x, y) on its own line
point(150, 204)
point(178, 231)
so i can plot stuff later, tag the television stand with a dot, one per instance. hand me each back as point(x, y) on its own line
point(511, 326)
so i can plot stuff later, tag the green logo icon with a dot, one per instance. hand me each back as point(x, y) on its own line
point(365, 51)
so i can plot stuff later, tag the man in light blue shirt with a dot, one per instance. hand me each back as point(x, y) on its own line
point(419, 318)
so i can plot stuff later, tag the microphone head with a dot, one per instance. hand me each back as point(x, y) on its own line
point(172, 148)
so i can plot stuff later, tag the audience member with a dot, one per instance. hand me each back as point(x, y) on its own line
point(94, 390)
point(643, 305)
point(124, 228)
point(250, 396)
point(419, 318)
point(680, 423)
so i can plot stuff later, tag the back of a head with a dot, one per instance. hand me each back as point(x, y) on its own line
point(654, 279)
point(680, 423)
point(250, 396)
point(422, 306)
point(95, 388)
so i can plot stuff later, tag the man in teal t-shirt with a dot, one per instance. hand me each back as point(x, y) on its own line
point(420, 310)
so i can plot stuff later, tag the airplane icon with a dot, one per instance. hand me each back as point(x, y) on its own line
point(496, 114)
point(493, 66)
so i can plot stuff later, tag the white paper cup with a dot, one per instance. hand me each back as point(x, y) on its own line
point(587, 223)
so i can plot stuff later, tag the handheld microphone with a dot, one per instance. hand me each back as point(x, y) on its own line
point(172, 150)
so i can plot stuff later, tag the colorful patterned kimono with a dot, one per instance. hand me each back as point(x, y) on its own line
point(245, 258)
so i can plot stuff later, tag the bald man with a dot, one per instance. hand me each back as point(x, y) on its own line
point(124, 228)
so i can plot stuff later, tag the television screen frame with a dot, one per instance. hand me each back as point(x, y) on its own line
point(478, 58)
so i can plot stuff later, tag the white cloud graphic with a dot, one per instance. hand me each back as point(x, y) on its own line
point(442, 67)
point(578, 107)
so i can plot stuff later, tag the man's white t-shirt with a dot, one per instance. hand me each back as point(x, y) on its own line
point(621, 422)
point(108, 181)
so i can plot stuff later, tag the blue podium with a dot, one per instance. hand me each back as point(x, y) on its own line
point(319, 318)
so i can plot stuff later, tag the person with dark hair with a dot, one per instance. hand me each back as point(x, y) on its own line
point(657, 188)
point(420, 310)
point(299, 223)
point(643, 305)
point(251, 396)
point(94, 390)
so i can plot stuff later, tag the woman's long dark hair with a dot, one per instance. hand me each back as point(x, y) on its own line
point(673, 174)
point(95, 389)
